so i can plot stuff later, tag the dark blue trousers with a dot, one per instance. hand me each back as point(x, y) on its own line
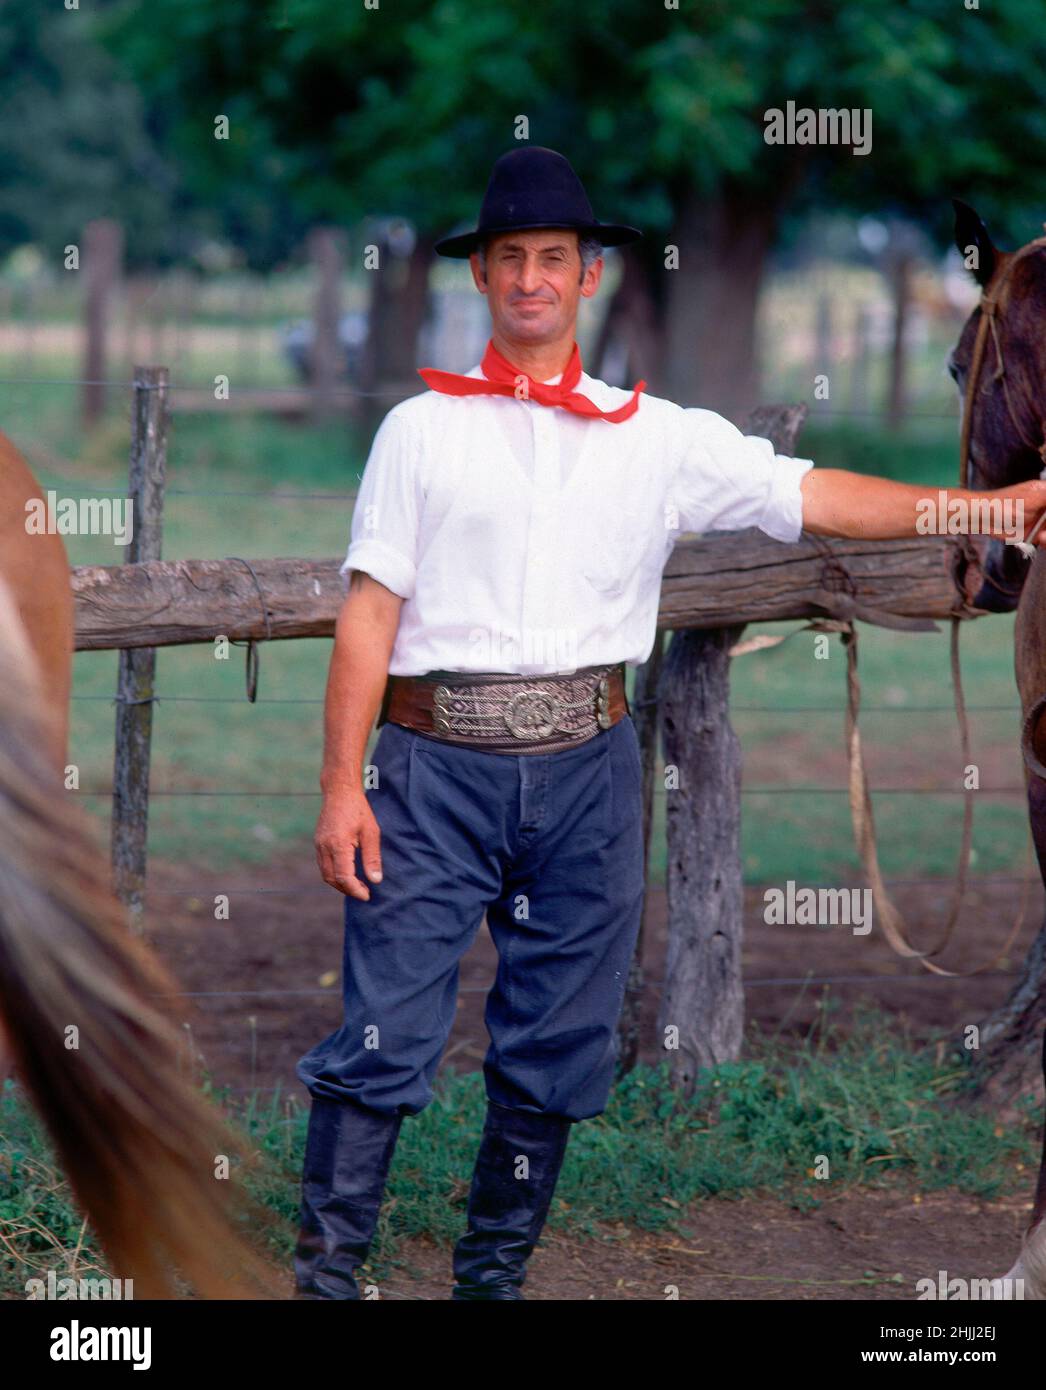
point(550, 847)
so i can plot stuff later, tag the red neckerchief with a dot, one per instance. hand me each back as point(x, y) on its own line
point(503, 379)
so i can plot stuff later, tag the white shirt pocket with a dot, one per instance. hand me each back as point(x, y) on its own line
point(621, 537)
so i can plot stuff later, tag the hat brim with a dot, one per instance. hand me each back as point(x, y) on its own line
point(609, 233)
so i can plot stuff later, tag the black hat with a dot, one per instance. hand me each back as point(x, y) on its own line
point(535, 187)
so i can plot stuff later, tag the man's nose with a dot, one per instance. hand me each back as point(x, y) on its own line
point(529, 275)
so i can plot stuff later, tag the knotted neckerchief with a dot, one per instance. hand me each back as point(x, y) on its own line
point(503, 379)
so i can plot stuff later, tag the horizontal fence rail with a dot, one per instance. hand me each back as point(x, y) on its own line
point(718, 580)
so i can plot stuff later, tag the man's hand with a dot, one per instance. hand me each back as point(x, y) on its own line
point(837, 502)
point(1032, 496)
point(363, 638)
point(345, 822)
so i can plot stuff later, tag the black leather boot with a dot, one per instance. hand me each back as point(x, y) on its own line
point(347, 1155)
point(505, 1212)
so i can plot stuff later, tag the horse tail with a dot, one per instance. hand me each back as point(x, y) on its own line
point(144, 1152)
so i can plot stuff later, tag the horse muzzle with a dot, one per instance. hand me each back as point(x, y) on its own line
point(1004, 571)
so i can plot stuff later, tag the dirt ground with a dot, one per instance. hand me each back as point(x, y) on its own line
point(277, 961)
point(855, 1247)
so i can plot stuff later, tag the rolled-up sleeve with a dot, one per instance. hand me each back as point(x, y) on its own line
point(728, 480)
point(384, 533)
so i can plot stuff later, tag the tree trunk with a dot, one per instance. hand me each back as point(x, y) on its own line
point(409, 312)
point(398, 305)
point(710, 320)
point(102, 256)
point(630, 345)
point(1011, 1038)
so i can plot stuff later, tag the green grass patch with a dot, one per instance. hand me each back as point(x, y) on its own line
point(881, 1111)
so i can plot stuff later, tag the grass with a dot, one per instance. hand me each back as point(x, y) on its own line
point(879, 1110)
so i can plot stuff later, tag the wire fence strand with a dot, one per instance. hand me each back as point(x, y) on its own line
point(345, 392)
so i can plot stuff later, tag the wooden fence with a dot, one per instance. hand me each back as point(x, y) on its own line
point(711, 588)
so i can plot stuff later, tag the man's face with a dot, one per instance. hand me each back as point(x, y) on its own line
point(533, 283)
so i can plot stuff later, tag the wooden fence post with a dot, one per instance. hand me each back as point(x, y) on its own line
point(103, 251)
point(901, 274)
point(703, 996)
point(823, 358)
point(860, 360)
point(136, 683)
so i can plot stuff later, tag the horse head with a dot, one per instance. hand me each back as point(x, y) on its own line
point(1005, 400)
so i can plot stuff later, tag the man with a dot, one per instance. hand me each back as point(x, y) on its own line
point(506, 556)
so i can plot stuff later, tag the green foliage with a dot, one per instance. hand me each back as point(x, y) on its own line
point(38, 1218)
point(881, 1110)
point(338, 111)
point(74, 140)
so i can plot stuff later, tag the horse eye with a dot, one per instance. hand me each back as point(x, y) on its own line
point(953, 369)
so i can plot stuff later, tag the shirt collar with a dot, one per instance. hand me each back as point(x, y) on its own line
point(552, 380)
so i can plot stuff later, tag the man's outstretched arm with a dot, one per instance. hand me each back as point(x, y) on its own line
point(839, 503)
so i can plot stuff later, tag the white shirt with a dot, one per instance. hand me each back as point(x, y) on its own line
point(526, 539)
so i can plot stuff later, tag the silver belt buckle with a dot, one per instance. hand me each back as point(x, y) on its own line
point(533, 713)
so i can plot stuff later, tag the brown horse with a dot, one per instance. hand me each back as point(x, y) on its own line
point(99, 1061)
point(999, 365)
point(37, 574)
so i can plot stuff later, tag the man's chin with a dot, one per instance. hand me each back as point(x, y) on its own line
point(534, 328)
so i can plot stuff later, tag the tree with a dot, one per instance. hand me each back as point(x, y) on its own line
point(338, 110)
point(74, 142)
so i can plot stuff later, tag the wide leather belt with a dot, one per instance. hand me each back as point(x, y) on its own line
point(505, 713)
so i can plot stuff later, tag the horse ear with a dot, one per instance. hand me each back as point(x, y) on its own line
point(975, 245)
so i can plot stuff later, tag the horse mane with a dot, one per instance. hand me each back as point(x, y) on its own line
point(99, 1060)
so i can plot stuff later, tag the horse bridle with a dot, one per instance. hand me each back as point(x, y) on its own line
point(992, 305)
point(991, 310)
